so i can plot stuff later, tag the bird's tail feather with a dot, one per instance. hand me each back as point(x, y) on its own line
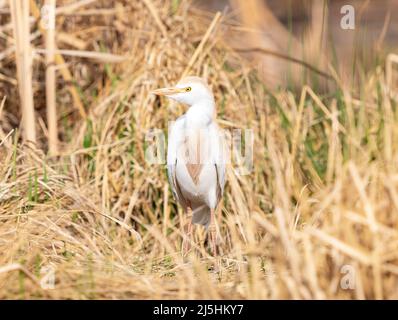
point(201, 215)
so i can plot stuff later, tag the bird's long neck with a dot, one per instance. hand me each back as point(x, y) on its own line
point(201, 113)
point(198, 119)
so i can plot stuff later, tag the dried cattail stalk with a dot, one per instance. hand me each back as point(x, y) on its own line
point(20, 21)
point(66, 74)
point(50, 79)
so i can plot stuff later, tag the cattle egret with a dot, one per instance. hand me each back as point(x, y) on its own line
point(196, 155)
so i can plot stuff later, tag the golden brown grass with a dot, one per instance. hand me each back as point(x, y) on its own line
point(323, 195)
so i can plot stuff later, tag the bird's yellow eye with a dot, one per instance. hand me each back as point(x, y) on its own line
point(188, 89)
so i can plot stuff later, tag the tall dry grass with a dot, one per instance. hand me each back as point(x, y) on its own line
point(320, 205)
point(23, 56)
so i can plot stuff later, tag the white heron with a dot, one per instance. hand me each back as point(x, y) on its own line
point(196, 155)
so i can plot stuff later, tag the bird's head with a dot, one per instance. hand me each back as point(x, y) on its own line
point(189, 90)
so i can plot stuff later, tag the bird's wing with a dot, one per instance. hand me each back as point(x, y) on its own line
point(220, 157)
point(175, 139)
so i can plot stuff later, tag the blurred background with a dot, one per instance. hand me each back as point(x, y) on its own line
point(266, 33)
point(311, 31)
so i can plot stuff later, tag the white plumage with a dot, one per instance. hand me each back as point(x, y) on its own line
point(196, 154)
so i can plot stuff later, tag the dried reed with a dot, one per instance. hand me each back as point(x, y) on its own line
point(50, 79)
point(23, 57)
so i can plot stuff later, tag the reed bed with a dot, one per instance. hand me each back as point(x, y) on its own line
point(317, 218)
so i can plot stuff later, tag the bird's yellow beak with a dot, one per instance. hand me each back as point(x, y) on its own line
point(167, 91)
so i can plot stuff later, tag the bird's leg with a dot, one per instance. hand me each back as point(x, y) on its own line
point(186, 243)
point(186, 246)
point(213, 232)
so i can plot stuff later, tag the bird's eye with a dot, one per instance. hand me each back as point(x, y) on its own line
point(188, 89)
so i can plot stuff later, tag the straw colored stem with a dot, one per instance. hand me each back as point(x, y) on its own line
point(50, 81)
point(202, 43)
point(20, 21)
point(66, 74)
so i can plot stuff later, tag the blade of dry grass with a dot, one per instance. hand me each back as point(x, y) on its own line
point(97, 56)
point(21, 31)
point(50, 81)
point(202, 43)
point(152, 9)
point(60, 61)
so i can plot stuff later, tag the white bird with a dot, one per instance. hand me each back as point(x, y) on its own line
point(196, 155)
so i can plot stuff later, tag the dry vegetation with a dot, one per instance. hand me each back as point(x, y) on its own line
point(323, 193)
